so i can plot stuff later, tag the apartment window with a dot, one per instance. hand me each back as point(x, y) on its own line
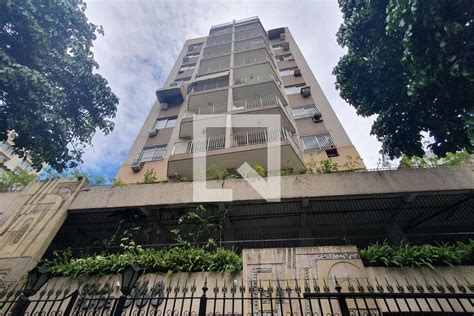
point(195, 46)
point(180, 82)
point(317, 142)
point(165, 122)
point(277, 46)
point(192, 55)
point(294, 89)
point(153, 153)
point(186, 67)
point(287, 71)
point(286, 57)
point(305, 111)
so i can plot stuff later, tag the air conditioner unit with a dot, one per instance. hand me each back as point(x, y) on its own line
point(173, 84)
point(282, 36)
point(185, 58)
point(297, 72)
point(305, 92)
point(164, 106)
point(317, 118)
point(286, 46)
point(153, 132)
point(137, 165)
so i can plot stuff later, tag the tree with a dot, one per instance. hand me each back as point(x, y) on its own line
point(49, 91)
point(410, 62)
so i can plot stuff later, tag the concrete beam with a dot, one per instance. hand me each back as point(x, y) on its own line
point(312, 186)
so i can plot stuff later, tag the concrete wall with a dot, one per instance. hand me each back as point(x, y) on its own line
point(29, 221)
point(396, 182)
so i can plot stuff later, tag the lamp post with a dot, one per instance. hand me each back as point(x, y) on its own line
point(130, 276)
point(36, 279)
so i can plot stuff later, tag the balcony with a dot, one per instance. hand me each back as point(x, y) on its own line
point(206, 70)
point(254, 57)
point(217, 51)
point(250, 44)
point(209, 98)
point(248, 34)
point(249, 146)
point(209, 84)
point(203, 113)
point(270, 104)
point(218, 32)
point(8, 150)
point(219, 40)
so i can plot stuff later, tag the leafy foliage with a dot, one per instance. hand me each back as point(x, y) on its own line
point(174, 259)
point(9, 179)
point(460, 158)
point(50, 92)
point(407, 255)
point(150, 176)
point(410, 63)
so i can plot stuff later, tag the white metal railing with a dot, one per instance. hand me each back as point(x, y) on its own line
point(260, 136)
point(240, 47)
point(255, 78)
point(317, 141)
point(211, 109)
point(151, 154)
point(7, 149)
point(213, 68)
point(199, 145)
point(257, 102)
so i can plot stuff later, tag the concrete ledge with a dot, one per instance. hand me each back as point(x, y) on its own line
point(334, 185)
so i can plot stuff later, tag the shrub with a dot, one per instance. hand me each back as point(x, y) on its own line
point(408, 255)
point(150, 176)
point(174, 259)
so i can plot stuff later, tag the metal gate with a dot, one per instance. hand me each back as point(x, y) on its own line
point(289, 297)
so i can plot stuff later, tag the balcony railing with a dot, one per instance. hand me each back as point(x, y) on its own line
point(220, 32)
point(213, 68)
point(257, 102)
point(256, 78)
point(212, 109)
point(247, 35)
point(211, 43)
point(317, 141)
point(7, 149)
point(199, 145)
point(259, 137)
point(208, 85)
point(219, 53)
point(251, 61)
point(240, 47)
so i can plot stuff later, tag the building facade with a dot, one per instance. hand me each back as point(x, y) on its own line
point(11, 161)
point(238, 69)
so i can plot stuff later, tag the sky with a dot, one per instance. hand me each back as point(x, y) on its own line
point(143, 39)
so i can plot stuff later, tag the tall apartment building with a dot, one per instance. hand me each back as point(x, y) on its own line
point(238, 69)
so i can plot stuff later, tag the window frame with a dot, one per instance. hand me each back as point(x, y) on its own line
point(166, 121)
point(184, 68)
point(286, 69)
point(151, 153)
point(299, 85)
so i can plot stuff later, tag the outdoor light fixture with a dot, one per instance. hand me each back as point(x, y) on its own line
point(35, 281)
point(130, 276)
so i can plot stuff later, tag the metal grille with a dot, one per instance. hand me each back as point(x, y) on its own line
point(317, 141)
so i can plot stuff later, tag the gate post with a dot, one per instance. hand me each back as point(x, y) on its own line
point(203, 300)
point(71, 303)
point(342, 301)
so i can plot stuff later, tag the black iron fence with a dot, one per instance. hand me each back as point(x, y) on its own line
point(291, 297)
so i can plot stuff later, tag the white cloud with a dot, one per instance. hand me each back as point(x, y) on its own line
point(143, 38)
